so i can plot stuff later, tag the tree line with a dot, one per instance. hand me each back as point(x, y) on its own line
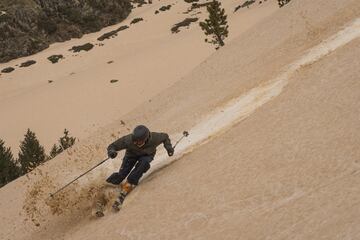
point(31, 155)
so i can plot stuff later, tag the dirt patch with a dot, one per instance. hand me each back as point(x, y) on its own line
point(33, 204)
point(82, 200)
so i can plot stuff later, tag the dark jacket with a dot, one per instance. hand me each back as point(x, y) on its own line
point(149, 149)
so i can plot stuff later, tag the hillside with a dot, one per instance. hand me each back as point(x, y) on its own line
point(272, 153)
point(143, 60)
point(29, 26)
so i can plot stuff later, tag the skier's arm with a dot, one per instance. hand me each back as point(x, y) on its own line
point(118, 145)
point(167, 144)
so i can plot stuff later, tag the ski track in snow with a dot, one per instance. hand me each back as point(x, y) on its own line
point(223, 118)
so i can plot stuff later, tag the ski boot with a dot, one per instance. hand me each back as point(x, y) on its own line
point(99, 210)
point(126, 188)
point(99, 214)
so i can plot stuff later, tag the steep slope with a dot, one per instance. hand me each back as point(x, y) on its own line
point(287, 171)
point(146, 58)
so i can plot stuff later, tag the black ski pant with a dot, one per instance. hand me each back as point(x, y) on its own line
point(141, 164)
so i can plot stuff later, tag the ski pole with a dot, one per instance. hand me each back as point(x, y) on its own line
point(185, 134)
point(52, 194)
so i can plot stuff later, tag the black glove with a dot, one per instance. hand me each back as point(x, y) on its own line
point(170, 152)
point(112, 153)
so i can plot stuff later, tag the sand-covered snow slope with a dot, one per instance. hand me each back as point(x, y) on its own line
point(76, 93)
point(286, 168)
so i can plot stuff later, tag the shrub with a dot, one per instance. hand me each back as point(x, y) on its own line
point(55, 58)
point(165, 8)
point(283, 2)
point(8, 70)
point(27, 63)
point(245, 4)
point(85, 47)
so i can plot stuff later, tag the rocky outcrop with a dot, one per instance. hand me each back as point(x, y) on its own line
point(29, 26)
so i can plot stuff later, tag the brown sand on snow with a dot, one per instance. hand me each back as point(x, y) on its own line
point(288, 171)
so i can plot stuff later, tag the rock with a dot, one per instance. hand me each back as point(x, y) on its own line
point(136, 20)
point(86, 47)
point(114, 81)
point(29, 26)
point(184, 23)
point(165, 8)
point(112, 33)
point(8, 70)
point(107, 35)
point(28, 63)
point(55, 58)
point(122, 28)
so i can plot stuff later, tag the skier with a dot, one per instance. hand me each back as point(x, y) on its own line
point(140, 149)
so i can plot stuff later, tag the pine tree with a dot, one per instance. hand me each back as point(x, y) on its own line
point(64, 143)
point(55, 150)
point(8, 168)
point(67, 141)
point(216, 25)
point(31, 153)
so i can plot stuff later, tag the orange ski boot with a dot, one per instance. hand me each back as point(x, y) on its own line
point(126, 188)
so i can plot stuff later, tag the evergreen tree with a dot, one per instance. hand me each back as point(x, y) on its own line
point(8, 168)
point(67, 141)
point(55, 150)
point(31, 152)
point(64, 143)
point(216, 25)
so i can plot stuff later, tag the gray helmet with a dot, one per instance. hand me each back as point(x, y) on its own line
point(140, 133)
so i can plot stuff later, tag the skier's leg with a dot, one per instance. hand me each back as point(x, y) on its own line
point(141, 167)
point(126, 166)
point(116, 178)
point(126, 188)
